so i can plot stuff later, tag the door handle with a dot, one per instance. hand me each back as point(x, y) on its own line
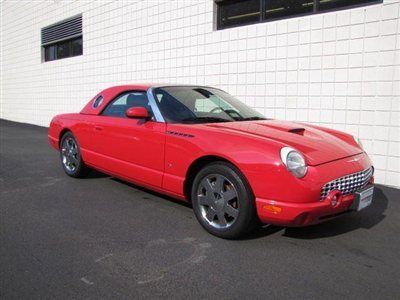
point(98, 128)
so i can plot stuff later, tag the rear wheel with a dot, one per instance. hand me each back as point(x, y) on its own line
point(71, 158)
point(223, 201)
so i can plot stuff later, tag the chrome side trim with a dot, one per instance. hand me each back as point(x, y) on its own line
point(154, 106)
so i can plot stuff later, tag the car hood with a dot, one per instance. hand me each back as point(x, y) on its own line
point(318, 145)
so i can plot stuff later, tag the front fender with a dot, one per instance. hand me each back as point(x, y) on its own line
point(257, 159)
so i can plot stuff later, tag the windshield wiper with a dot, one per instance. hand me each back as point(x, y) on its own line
point(253, 119)
point(205, 119)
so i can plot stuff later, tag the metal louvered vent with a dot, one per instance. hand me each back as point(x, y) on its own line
point(63, 30)
point(348, 184)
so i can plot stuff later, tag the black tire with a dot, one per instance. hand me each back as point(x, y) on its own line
point(77, 169)
point(246, 216)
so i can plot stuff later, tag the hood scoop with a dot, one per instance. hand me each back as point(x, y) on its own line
point(285, 128)
point(299, 131)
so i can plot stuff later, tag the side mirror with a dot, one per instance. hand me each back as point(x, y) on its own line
point(137, 112)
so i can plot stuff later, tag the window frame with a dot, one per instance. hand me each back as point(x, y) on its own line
point(70, 48)
point(55, 36)
point(263, 19)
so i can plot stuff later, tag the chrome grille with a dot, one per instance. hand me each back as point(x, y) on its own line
point(349, 183)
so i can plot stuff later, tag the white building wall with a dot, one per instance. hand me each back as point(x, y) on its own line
point(338, 69)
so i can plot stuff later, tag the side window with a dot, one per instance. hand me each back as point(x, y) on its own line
point(171, 108)
point(98, 101)
point(119, 105)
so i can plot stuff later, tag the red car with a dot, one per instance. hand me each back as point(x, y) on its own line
point(200, 144)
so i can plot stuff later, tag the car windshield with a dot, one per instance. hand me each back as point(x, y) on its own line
point(188, 104)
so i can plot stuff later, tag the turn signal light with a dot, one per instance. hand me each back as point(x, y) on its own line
point(272, 208)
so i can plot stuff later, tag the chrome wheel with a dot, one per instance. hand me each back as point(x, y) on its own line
point(70, 154)
point(218, 201)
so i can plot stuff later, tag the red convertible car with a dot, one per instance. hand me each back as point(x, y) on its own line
point(200, 144)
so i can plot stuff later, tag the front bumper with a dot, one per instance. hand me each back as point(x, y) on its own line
point(301, 214)
point(301, 205)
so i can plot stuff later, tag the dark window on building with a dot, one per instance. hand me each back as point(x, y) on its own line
point(277, 9)
point(49, 53)
point(239, 12)
point(76, 46)
point(232, 13)
point(323, 5)
point(63, 39)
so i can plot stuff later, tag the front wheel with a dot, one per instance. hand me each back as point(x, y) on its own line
point(71, 158)
point(223, 201)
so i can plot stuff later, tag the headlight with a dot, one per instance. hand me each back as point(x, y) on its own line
point(294, 162)
point(358, 141)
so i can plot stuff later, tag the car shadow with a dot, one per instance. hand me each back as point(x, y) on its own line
point(151, 192)
point(94, 174)
point(365, 219)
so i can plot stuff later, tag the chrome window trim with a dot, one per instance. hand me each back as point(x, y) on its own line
point(154, 106)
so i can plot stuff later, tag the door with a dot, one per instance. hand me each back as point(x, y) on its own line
point(126, 147)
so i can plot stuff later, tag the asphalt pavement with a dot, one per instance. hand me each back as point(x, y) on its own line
point(103, 238)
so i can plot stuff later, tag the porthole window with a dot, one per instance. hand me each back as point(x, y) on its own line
point(98, 101)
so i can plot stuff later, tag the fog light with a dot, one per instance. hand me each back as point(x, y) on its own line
point(335, 197)
point(334, 200)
